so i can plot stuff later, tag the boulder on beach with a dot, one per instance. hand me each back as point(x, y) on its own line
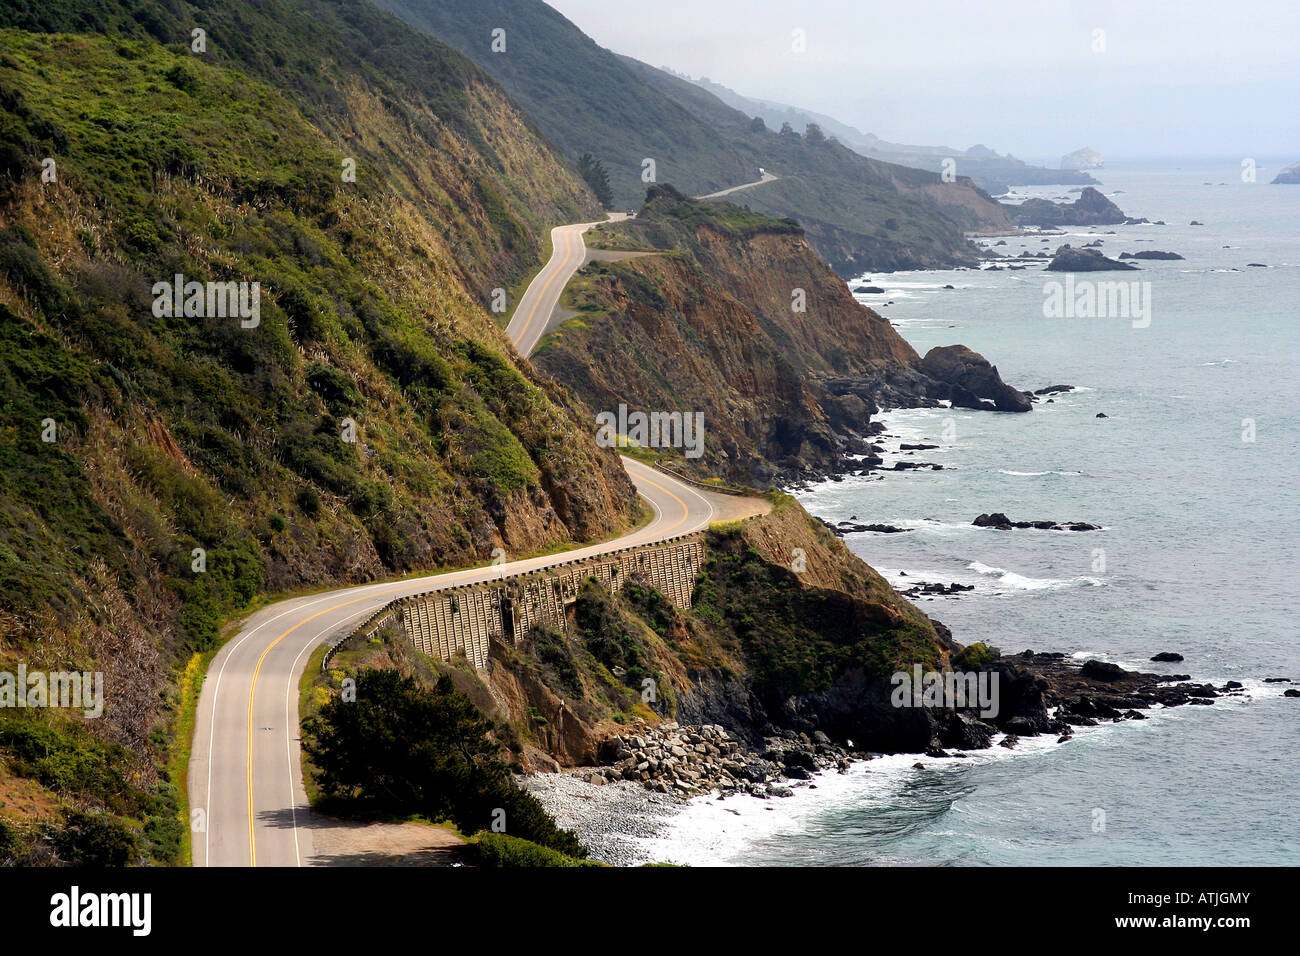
point(1102, 671)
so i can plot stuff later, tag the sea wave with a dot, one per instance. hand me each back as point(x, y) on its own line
point(709, 831)
point(1037, 474)
point(1021, 582)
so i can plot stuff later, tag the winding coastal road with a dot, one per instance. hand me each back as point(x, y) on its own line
point(245, 771)
point(764, 177)
point(532, 316)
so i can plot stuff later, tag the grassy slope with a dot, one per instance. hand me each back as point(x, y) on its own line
point(176, 433)
point(582, 95)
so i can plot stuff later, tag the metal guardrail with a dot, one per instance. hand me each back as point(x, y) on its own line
point(720, 487)
point(366, 627)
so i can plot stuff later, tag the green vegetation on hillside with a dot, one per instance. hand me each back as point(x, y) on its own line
point(590, 101)
point(159, 471)
point(395, 98)
point(796, 639)
point(402, 749)
point(593, 172)
point(581, 95)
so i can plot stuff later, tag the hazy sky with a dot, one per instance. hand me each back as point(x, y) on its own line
point(1192, 78)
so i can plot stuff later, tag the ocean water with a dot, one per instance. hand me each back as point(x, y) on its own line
point(1193, 476)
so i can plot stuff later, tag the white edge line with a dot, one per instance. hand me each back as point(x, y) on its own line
point(311, 645)
point(216, 694)
point(216, 690)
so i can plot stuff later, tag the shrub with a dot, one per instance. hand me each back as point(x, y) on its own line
point(499, 850)
point(94, 839)
point(974, 656)
point(308, 501)
point(404, 749)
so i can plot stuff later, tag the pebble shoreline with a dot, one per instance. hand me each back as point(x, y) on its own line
point(648, 775)
point(609, 820)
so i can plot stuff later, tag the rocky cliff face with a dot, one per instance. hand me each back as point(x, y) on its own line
point(972, 381)
point(740, 319)
point(1090, 209)
point(788, 627)
point(790, 634)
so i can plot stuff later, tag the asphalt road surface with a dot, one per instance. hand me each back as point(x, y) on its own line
point(247, 801)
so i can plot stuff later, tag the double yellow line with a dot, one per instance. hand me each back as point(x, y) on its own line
point(532, 313)
point(252, 690)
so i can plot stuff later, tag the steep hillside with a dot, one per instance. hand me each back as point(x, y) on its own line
point(418, 118)
point(160, 468)
point(582, 95)
point(739, 319)
point(765, 645)
point(860, 214)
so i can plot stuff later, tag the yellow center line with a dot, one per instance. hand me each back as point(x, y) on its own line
point(252, 691)
point(532, 313)
point(685, 511)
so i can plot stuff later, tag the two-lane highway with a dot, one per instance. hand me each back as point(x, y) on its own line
point(532, 316)
point(245, 772)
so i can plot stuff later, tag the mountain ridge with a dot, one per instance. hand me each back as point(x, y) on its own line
point(861, 214)
point(988, 169)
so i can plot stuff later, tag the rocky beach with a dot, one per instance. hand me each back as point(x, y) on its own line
point(649, 774)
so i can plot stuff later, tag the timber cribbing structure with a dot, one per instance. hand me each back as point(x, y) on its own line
point(465, 619)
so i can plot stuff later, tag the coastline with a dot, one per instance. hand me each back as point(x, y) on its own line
point(1053, 591)
point(625, 824)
